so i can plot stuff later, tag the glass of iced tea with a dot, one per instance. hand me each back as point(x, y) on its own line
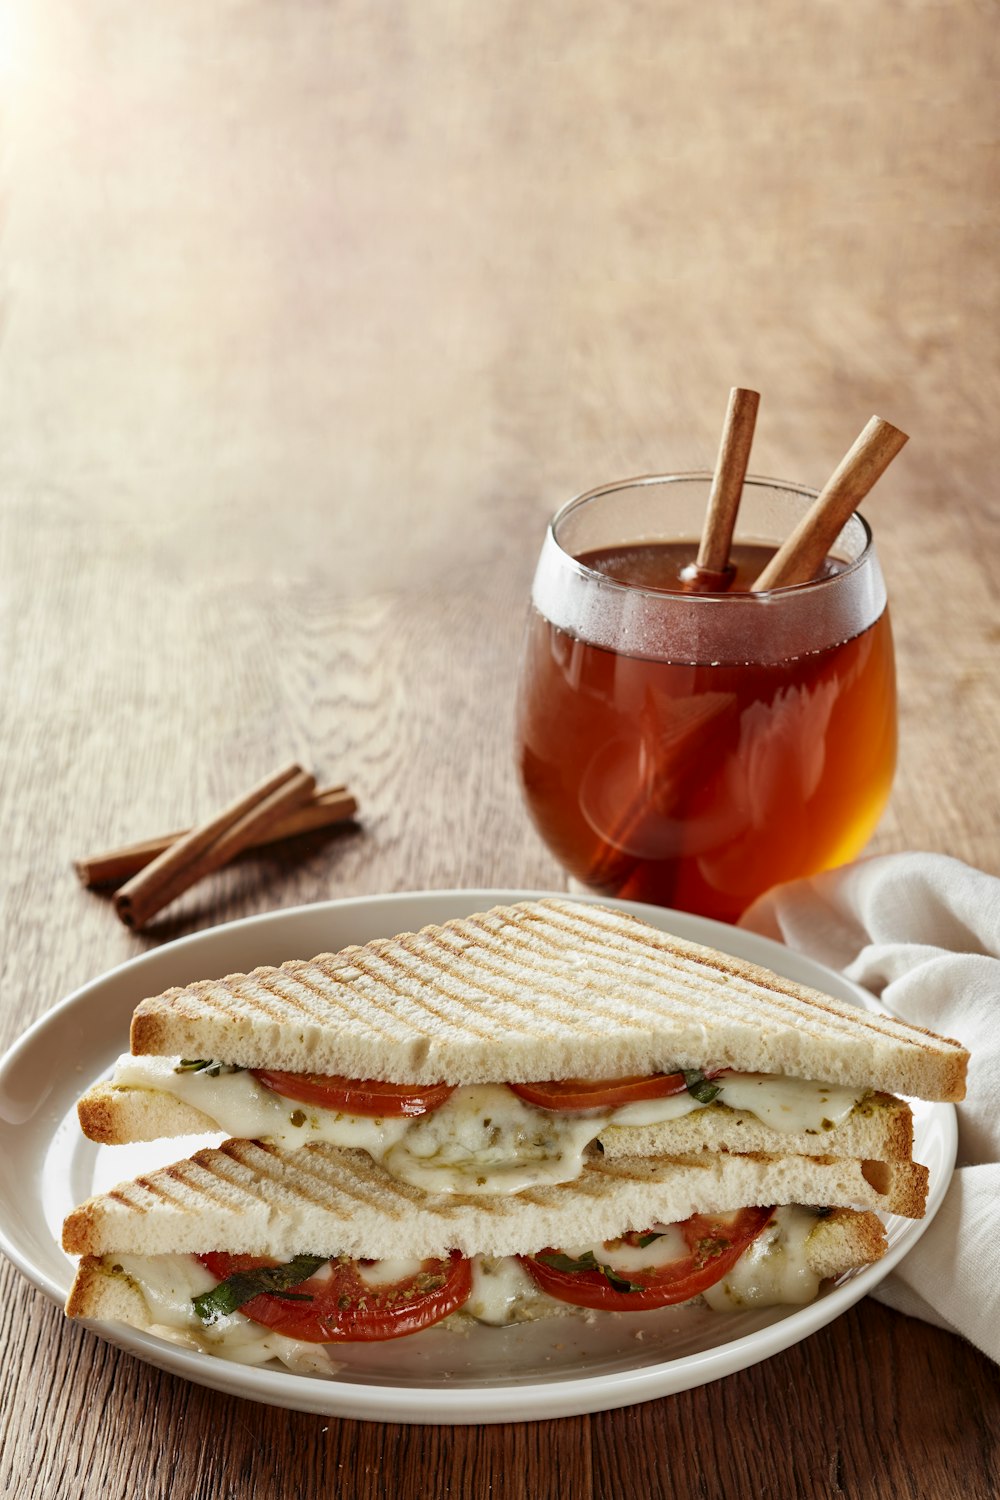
point(694, 749)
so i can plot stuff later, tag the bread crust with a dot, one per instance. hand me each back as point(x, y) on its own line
point(543, 989)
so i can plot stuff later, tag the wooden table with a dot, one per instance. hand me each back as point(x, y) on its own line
point(312, 314)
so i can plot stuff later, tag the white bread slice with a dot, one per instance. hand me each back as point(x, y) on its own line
point(262, 1200)
point(542, 989)
point(841, 1241)
point(880, 1127)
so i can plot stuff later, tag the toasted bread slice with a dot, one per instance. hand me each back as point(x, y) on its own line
point(263, 1200)
point(542, 989)
point(841, 1241)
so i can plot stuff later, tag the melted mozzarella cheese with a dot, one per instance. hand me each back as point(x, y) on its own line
point(387, 1272)
point(169, 1282)
point(774, 1269)
point(656, 1111)
point(790, 1105)
point(485, 1139)
point(503, 1292)
point(242, 1107)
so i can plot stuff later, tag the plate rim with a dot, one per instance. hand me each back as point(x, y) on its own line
point(532, 1398)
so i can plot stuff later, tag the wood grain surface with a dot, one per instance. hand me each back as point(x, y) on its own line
point(312, 313)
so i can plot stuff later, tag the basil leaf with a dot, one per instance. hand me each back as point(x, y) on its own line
point(243, 1286)
point(699, 1087)
point(589, 1262)
point(647, 1239)
point(620, 1282)
point(207, 1066)
point(560, 1262)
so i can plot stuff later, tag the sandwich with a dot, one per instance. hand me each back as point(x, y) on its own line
point(543, 1107)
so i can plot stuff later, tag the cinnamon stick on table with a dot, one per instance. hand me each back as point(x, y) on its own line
point(212, 844)
point(325, 809)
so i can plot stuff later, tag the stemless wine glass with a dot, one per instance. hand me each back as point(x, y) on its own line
point(690, 749)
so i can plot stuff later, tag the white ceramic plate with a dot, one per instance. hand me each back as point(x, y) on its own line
point(552, 1368)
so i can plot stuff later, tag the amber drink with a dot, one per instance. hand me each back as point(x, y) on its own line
point(694, 749)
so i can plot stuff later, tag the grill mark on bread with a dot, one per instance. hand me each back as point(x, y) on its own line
point(332, 1008)
point(701, 963)
point(621, 970)
point(452, 960)
point(701, 988)
point(337, 1181)
point(394, 973)
point(326, 1191)
point(542, 1003)
point(406, 1009)
point(468, 977)
point(614, 975)
point(469, 963)
point(703, 970)
point(623, 1006)
point(170, 1185)
point(359, 985)
point(254, 990)
point(563, 986)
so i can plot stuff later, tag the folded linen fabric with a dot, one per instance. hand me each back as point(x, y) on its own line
point(921, 932)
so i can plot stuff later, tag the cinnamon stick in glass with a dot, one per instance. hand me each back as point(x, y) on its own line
point(212, 845)
point(711, 571)
point(801, 556)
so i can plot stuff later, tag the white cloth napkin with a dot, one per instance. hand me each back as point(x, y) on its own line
point(922, 932)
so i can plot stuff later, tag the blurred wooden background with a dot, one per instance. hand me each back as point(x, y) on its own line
point(312, 312)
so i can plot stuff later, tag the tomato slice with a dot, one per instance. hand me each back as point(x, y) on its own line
point(343, 1308)
point(599, 1093)
point(715, 1243)
point(355, 1096)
